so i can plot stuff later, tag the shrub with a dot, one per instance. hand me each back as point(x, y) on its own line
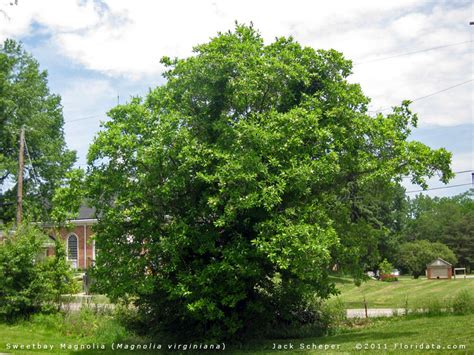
point(30, 282)
point(385, 267)
point(336, 311)
point(85, 324)
point(388, 278)
point(52, 322)
point(432, 307)
point(314, 318)
point(463, 303)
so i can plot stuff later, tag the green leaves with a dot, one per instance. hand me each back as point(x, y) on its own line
point(385, 267)
point(448, 220)
point(68, 198)
point(414, 256)
point(29, 281)
point(25, 100)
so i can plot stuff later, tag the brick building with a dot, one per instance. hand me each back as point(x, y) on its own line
point(80, 246)
point(439, 269)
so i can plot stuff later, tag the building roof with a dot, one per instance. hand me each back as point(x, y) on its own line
point(439, 262)
point(86, 212)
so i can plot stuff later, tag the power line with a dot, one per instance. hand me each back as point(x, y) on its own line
point(463, 171)
point(82, 118)
point(414, 52)
point(35, 175)
point(428, 95)
point(440, 91)
point(371, 111)
point(454, 172)
point(438, 188)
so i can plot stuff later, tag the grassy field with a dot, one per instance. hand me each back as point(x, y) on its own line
point(392, 336)
point(73, 329)
point(394, 294)
point(398, 335)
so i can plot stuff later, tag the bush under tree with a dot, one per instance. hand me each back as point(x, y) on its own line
point(227, 194)
point(386, 270)
point(31, 282)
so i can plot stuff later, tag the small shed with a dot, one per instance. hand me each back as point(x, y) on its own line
point(439, 269)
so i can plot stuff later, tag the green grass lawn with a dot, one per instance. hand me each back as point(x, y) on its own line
point(393, 336)
point(394, 294)
point(373, 336)
point(381, 334)
point(75, 329)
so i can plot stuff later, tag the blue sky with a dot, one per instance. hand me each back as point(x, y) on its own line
point(95, 51)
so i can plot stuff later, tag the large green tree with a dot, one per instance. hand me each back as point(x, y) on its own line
point(25, 100)
point(229, 192)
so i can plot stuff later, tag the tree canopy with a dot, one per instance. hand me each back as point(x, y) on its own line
point(448, 220)
point(25, 100)
point(227, 194)
point(415, 256)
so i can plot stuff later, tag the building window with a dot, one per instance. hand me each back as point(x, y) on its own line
point(72, 250)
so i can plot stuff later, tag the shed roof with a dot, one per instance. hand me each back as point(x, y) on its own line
point(439, 262)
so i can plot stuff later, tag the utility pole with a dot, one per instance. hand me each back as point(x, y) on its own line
point(21, 164)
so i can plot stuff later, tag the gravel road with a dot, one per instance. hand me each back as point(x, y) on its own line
point(374, 312)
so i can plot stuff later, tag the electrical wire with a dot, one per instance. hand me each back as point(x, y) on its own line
point(35, 175)
point(439, 188)
point(370, 111)
point(426, 96)
point(82, 118)
point(410, 53)
point(36, 178)
point(454, 172)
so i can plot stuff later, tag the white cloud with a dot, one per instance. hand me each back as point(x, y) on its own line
point(56, 15)
point(129, 38)
point(125, 39)
point(410, 25)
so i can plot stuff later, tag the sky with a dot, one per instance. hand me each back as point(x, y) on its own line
point(102, 52)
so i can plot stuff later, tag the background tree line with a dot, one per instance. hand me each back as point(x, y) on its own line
point(423, 228)
point(25, 101)
point(414, 231)
point(446, 220)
